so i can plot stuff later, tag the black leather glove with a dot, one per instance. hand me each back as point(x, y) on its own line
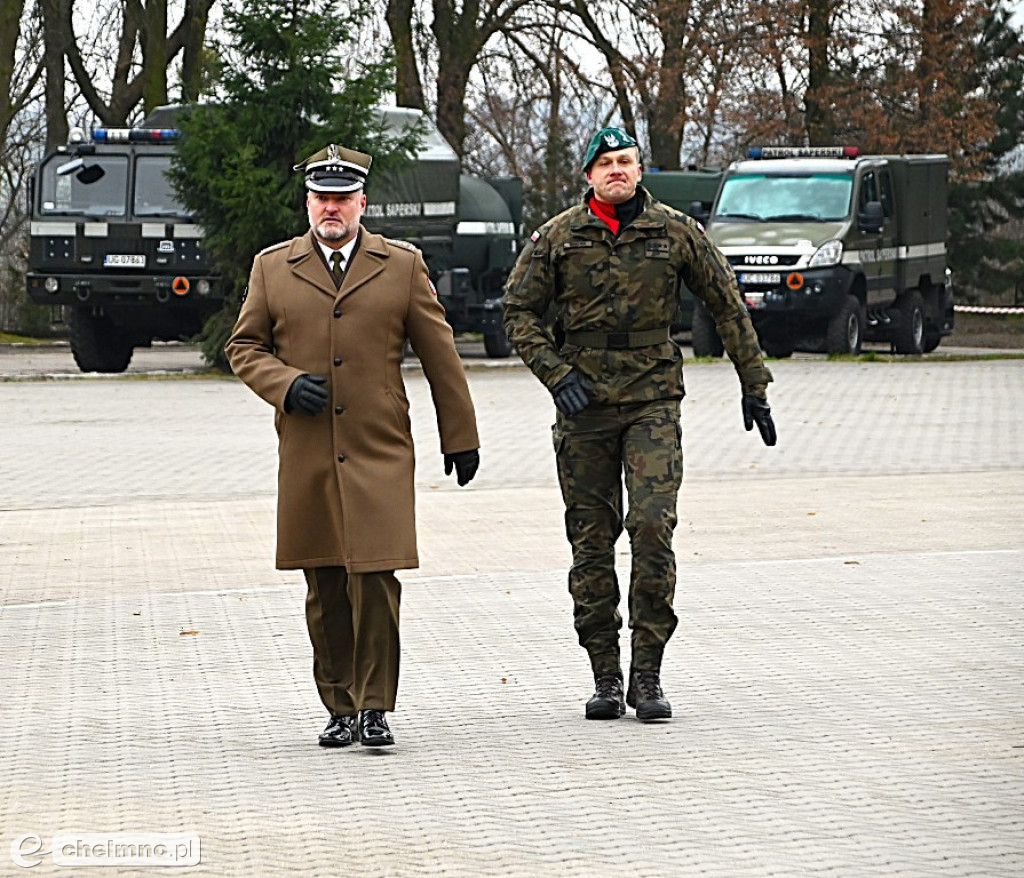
point(307, 395)
point(757, 411)
point(466, 464)
point(572, 393)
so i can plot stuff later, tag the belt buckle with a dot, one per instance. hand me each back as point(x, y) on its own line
point(618, 341)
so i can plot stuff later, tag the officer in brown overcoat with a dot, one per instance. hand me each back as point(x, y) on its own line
point(321, 336)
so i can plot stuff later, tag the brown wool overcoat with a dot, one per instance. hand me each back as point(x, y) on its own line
point(345, 476)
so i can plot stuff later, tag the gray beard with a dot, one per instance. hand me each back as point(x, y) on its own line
point(336, 232)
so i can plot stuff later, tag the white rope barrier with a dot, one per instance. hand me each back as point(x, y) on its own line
point(981, 309)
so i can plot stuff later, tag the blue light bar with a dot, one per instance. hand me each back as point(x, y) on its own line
point(134, 135)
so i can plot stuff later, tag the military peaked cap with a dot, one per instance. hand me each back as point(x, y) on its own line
point(335, 169)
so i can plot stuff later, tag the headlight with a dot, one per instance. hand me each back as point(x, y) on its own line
point(829, 253)
point(203, 287)
point(52, 285)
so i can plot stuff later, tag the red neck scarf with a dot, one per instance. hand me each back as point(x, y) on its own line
point(606, 212)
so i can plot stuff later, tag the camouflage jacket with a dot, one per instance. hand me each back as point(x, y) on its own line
point(575, 272)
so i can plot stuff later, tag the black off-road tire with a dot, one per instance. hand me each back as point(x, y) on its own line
point(497, 345)
point(932, 337)
point(779, 346)
point(908, 337)
point(97, 344)
point(704, 335)
point(845, 332)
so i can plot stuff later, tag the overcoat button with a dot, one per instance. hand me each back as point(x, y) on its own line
point(338, 409)
point(337, 312)
point(337, 361)
point(341, 458)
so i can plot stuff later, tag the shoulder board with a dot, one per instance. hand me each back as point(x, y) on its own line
point(405, 245)
point(273, 247)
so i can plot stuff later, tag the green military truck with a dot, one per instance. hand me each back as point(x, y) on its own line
point(693, 192)
point(109, 241)
point(467, 227)
point(832, 248)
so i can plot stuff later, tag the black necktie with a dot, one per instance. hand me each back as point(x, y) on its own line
point(336, 271)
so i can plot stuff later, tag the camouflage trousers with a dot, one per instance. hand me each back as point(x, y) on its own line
point(596, 451)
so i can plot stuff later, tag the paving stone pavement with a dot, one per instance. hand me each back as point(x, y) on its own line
point(846, 675)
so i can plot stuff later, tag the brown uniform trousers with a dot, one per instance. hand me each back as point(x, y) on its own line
point(353, 625)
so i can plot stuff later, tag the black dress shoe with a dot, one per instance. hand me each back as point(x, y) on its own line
point(373, 729)
point(607, 701)
point(340, 732)
point(646, 696)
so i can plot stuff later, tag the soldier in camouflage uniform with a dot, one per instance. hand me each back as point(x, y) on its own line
point(611, 270)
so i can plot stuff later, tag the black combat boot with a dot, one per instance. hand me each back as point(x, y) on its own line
point(607, 702)
point(646, 696)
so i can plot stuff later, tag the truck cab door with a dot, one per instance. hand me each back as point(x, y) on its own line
point(888, 252)
point(868, 242)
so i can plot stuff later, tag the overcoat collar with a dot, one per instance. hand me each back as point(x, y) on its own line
point(368, 260)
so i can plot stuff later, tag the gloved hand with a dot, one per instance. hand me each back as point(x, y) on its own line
point(466, 464)
point(307, 395)
point(757, 411)
point(572, 393)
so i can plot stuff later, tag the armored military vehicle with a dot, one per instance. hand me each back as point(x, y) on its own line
point(832, 248)
point(110, 241)
point(467, 227)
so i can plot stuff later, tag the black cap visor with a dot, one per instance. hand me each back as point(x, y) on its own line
point(334, 181)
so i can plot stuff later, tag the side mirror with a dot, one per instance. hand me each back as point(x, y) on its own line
point(84, 173)
point(871, 219)
point(699, 212)
point(90, 174)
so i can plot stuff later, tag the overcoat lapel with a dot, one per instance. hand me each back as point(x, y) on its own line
point(307, 265)
point(368, 261)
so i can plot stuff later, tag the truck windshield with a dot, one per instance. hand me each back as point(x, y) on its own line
point(785, 198)
point(154, 195)
point(92, 186)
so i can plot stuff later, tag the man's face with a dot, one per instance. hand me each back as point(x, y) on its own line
point(614, 175)
point(334, 217)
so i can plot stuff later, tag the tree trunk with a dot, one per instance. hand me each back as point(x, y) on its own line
point(55, 42)
point(408, 86)
point(667, 114)
point(820, 120)
point(10, 30)
point(154, 56)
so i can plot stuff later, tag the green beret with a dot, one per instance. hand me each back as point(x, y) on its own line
point(607, 140)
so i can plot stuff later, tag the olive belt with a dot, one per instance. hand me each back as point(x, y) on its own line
point(618, 341)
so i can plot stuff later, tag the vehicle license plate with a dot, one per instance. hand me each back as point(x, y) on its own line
point(760, 278)
point(124, 260)
point(754, 300)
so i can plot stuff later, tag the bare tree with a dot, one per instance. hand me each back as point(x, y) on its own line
point(460, 33)
point(133, 70)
